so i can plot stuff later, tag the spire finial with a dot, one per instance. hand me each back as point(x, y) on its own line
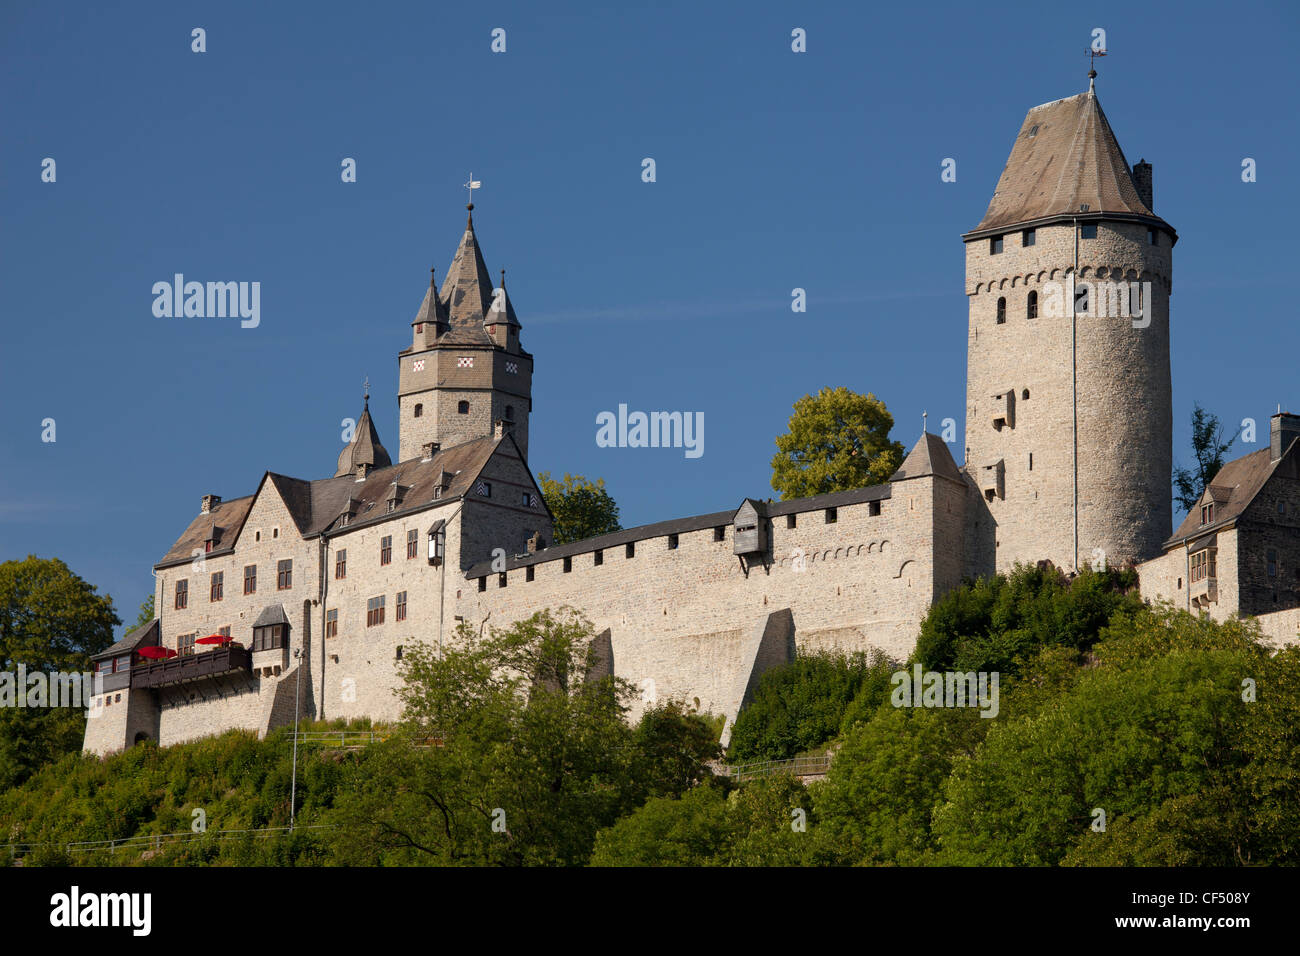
point(365, 397)
point(503, 278)
point(472, 185)
point(924, 415)
point(1093, 53)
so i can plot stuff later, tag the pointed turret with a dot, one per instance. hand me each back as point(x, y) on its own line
point(431, 319)
point(501, 324)
point(364, 453)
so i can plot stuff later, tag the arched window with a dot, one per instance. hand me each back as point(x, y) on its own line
point(1031, 309)
point(419, 410)
point(1025, 394)
point(1002, 310)
point(462, 408)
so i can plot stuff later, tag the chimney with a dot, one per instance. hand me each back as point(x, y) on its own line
point(209, 502)
point(428, 450)
point(361, 471)
point(535, 543)
point(1142, 180)
point(1284, 428)
point(500, 427)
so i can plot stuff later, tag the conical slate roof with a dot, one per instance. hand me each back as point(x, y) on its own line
point(433, 310)
point(467, 289)
point(1065, 157)
point(365, 448)
point(929, 456)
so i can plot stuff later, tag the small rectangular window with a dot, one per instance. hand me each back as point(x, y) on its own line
point(1088, 230)
point(1153, 237)
point(598, 558)
point(386, 550)
point(185, 645)
point(341, 564)
point(791, 521)
point(250, 579)
point(873, 509)
point(182, 595)
point(568, 565)
point(413, 543)
point(218, 586)
point(284, 575)
point(995, 245)
point(832, 516)
point(1030, 237)
point(1272, 564)
point(528, 574)
point(672, 542)
point(501, 579)
point(629, 550)
point(482, 584)
point(332, 623)
point(401, 604)
point(375, 611)
point(720, 533)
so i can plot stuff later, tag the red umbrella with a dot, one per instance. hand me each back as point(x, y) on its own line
point(215, 639)
point(156, 652)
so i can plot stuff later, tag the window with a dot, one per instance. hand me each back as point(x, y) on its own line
point(419, 410)
point(483, 489)
point(390, 506)
point(218, 586)
point(1029, 237)
point(527, 499)
point(568, 565)
point(399, 652)
point(528, 575)
point(501, 579)
point(791, 521)
point(1025, 394)
point(629, 550)
point(386, 549)
point(341, 564)
point(284, 575)
point(510, 413)
point(1002, 310)
point(182, 595)
point(1033, 130)
point(412, 543)
point(207, 545)
point(1281, 507)
point(257, 535)
point(419, 327)
point(1031, 461)
point(1153, 237)
point(995, 245)
point(720, 533)
point(1202, 565)
point(1031, 307)
point(332, 623)
point(1088, 230)
point(598, 558)
point(462, 408)
point(482, 584)
point(1272, 564)
point(269, 638)
point(401, 605)
point(672, 542)
point(250, 579)
point(275, 532)
point(185, 645)
point(1207, 513)
point(831, 516)
point(873, 509)
point(375, 611)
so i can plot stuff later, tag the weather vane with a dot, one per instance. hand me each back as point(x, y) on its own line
point(1092, 65)
point(472, 185)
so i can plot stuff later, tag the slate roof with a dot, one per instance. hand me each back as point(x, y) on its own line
point(142, 636)
point(227, 515)
point(467, 292)
point(929, 456)
point(1065, 156)
point(271, 614)
point(315, 506)
point(1232, 490)
point(365, 447)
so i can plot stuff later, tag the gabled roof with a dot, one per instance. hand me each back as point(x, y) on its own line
point(929, 456)
point(1066, 156)
point(1232, 490)
point(142, 636)
point(315, 506)
point(364, 449)
point(227, 515)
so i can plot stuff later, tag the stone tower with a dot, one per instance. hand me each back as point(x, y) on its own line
point(1068, 408)
point(465, 369)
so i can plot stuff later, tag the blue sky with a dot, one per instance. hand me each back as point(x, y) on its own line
point(774, 170)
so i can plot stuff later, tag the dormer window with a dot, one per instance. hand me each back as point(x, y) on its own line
point(1207, 512)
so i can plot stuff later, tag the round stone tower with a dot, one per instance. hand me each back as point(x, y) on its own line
point(1068, 400)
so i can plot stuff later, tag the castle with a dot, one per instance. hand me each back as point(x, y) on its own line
point(319, 585)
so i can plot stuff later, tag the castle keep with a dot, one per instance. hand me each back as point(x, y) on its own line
point(304, 594)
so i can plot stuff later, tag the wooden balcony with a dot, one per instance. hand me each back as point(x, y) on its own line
point(201, 666)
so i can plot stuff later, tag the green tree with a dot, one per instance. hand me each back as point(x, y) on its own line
point(581, 508)
point(1208, 448)
point(50, 620)
point(837, 440)
point(145, 616)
